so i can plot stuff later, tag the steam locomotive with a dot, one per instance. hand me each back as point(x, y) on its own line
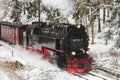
point(63, 44)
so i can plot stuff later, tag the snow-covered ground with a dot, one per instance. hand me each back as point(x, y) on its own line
point(20, 64)
point(30, 66)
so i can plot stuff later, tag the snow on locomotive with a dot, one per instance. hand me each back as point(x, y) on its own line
point(63, 44)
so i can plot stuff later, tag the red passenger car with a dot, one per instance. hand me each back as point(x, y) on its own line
point(12, 33)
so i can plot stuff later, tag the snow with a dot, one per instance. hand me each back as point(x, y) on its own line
point(35, 68)
point(100, 47)
point(3, 75)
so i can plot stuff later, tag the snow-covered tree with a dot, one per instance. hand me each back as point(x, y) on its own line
point(31, 8)
point(116, 20)
point(80, 10)
point(108, 36)
point(16, 12)
point(117, 44)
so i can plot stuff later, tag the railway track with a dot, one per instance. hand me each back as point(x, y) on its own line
point(110, 71)
point(92, 76)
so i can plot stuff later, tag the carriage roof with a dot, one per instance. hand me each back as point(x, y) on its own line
point(12, 24)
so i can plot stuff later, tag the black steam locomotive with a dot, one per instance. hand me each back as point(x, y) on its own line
point(64, 44)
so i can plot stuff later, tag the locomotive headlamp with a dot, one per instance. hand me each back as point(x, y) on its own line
point(78, 25)
point(87, 52)
point(73, 53)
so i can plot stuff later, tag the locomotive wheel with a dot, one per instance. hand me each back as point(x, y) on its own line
point(61, 62)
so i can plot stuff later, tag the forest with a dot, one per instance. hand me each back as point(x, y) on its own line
point(93, 14)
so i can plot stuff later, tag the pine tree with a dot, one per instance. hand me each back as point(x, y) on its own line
point(31, 9)
point(80, 11)
point(117, 45)
point(116, 18)
point(16, 12)
point(108, 36)
point(52, 14)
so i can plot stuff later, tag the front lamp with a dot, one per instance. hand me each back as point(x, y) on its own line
point(78, 26)
point(73, 53)
point(87, 52)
